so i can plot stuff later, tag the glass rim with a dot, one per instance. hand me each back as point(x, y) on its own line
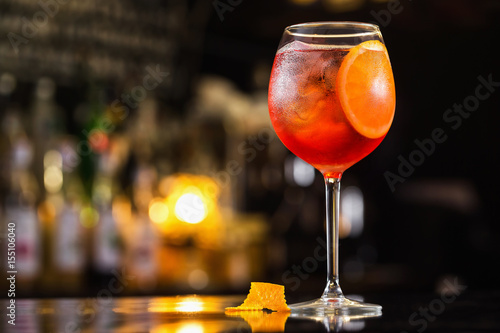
point(370, 29)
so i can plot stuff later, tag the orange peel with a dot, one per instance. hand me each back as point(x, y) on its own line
point(263, 295)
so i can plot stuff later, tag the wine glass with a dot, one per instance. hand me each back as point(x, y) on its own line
point(331, 103)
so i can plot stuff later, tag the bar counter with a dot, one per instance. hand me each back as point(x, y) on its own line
point(470, 311)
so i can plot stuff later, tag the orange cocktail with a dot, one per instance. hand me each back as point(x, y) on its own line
point(331, 102)
point(331, 105)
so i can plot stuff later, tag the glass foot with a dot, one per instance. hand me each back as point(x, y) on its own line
point(337, 306)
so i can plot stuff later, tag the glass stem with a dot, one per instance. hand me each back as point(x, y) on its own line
point(332, 186)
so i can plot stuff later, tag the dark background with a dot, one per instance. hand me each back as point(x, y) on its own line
point(442, 219)
point(440, 223)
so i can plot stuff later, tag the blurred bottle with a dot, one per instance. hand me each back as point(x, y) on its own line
point(48, 122)
point(66, 194)
point(107, 240)
point(141, 236)
point(144, 130)
point(69, 243)
point(48, 131)
point(142, 241)
point(20, 206)
point(18, 193)
point(7, 87)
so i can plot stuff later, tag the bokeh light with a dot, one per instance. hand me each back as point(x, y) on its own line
point(190, 305)
point(52, 176)
point(190, 208)
point(158, 210)
point(191, 328)
point(198, 279)
point(89, 217)
point(52, 158)
point(53, 179)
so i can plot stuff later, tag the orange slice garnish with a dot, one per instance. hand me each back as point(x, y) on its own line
point(366, 90)
point(264, 296)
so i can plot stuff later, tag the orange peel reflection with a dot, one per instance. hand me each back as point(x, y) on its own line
point(262, 321)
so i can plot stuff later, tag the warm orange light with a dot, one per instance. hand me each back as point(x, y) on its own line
point(191, 328)
point(158, 210)
point(46, 211)
point(190, 305)
point(190, 208)
point(122, 210)
point(192, 204)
